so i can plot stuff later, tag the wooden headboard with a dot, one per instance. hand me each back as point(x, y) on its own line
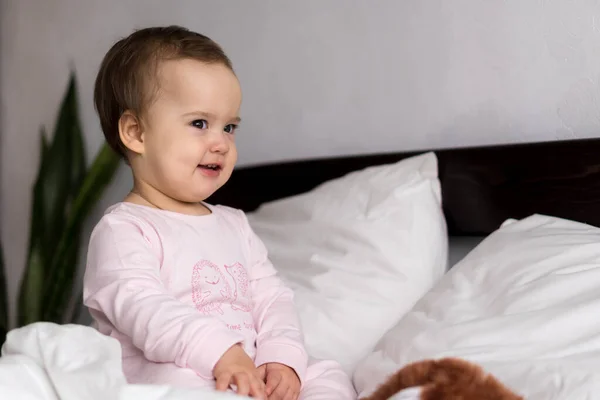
point(481, 186)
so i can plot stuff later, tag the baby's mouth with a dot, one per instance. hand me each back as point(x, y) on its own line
point(211, 167)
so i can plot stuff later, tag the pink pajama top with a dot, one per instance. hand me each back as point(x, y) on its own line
point(177, 291)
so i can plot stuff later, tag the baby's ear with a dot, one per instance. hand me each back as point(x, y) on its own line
point(131, 133)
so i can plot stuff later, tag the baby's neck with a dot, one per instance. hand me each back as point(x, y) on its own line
point(145, 196)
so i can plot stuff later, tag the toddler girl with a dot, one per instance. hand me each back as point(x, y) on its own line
point(187, 287)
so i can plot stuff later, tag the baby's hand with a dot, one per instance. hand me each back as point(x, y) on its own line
point(282, 381)
point(236, 367)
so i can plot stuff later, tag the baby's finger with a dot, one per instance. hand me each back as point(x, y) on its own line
point(242, 383)
point(289, 395)
point(280, 392)
point(223, 382)
point(257, 389)
point(262, 372)
point(273, 380)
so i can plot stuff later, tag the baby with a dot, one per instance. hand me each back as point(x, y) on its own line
point(185, 286)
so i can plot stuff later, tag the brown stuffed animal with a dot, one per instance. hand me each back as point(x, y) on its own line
point(445, 379)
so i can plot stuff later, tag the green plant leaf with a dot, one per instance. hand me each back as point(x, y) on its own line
point(60, 175)
point(63, 271)
point(63, 195)
point(3, 300)
point(77, 145)
point(32, 282)
point(57, 175)
point(32, 287)
point(43, 147)
point(70, 261)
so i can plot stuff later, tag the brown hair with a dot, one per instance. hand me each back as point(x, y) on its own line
point(127, 79)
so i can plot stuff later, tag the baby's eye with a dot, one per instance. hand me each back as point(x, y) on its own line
point(200, 123)
point(230, 128)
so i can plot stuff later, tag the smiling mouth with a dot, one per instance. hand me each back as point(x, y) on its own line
point(211, 167)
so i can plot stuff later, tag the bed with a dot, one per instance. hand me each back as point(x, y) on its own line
point(487, 253)
point(507, 275)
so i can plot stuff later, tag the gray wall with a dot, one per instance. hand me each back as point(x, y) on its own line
point(319, 77)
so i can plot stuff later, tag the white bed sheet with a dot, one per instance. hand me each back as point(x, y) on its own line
point(45, 361)
point(525, 305)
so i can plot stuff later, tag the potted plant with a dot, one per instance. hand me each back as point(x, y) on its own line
point(64, 193)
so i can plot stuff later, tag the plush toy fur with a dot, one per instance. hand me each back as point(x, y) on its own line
point(445, 379)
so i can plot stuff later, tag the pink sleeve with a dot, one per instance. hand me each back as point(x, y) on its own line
point(280, 336)
point(123, 284)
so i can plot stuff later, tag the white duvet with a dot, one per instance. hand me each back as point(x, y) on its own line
point(45, 361)
point(524, 304)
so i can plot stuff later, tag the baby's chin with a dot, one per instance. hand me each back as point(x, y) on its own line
point(190, 198)
point(193, 192)
point(195, 199)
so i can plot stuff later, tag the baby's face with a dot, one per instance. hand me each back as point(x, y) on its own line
point(189, 130)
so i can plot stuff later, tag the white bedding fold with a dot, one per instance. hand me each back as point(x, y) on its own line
point(45, 361)
point(525, 305)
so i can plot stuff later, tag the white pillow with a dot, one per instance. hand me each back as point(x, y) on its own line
point(358, 251)
point(524, 304)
